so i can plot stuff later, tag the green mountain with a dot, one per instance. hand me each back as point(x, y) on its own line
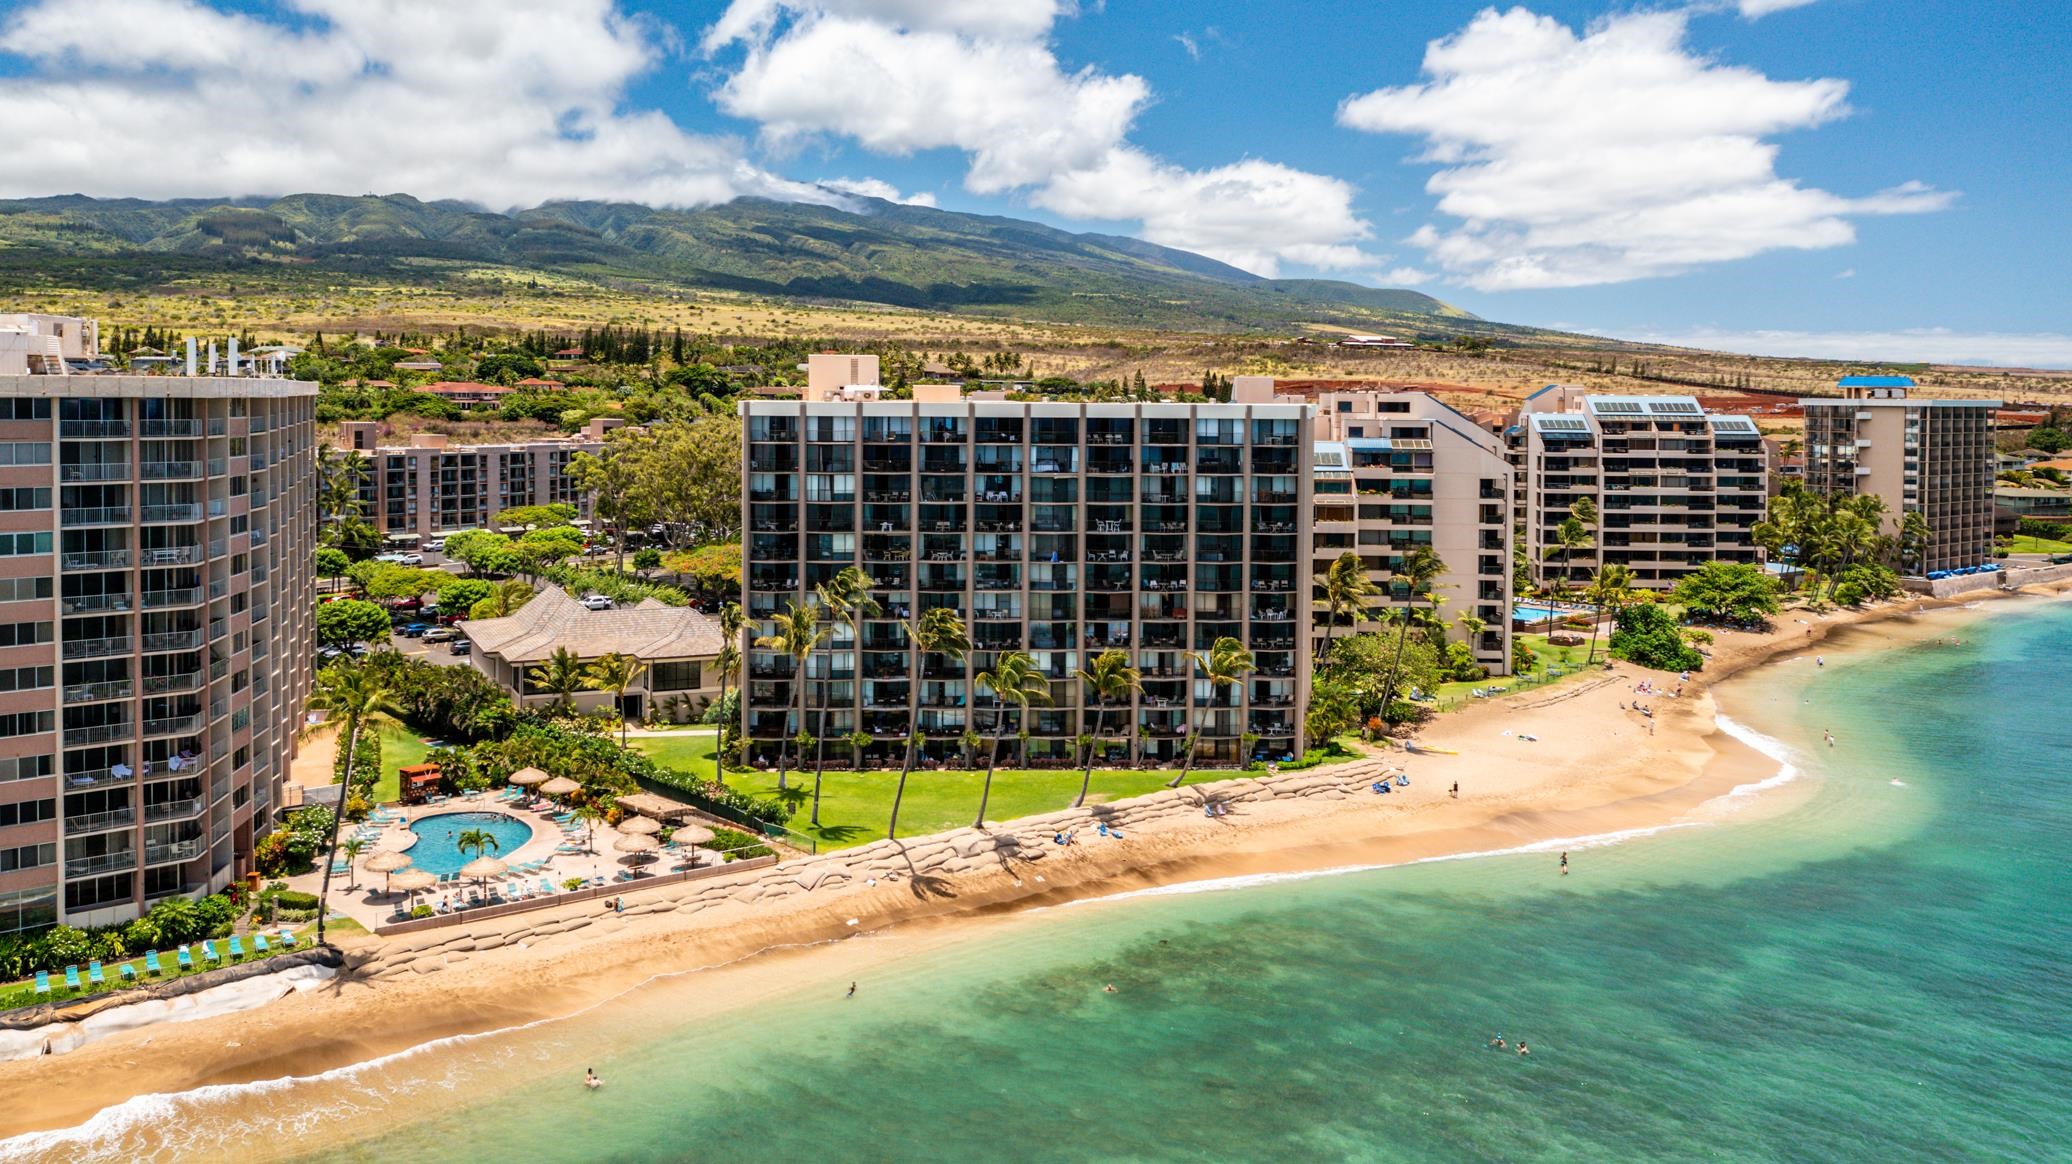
point(876, 253)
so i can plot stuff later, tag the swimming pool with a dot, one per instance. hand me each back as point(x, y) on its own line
point(437, 850)
point(1522, 612)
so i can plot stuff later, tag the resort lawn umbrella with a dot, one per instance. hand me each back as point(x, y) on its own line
point(411, 880)
point(387, 861)
point(640, 826)
point(560, 786)
point(636, 843)
point(482, 868)
point(528, 777)
point(691, 834)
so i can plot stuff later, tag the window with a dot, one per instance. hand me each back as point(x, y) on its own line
point(28, 812)
point(24, 589)
point(26, 678)
point(1345, 406)
point(24, 499)
point(24, 452)
point(28, 857)
point(98, 891)
point(25, 768)
point(676, 677)
point(24, 634)
point(27, 723)
point(17, 544)
point(1356, 431)
point(28, 909)
point(21, 408)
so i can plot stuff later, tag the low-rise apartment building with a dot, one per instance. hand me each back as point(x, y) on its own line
point(156, 599)
point(1673, 486)
point(1064, 530)
point(678, 645)
point(1927, 456)
point(1396, 471)
point(433, 486)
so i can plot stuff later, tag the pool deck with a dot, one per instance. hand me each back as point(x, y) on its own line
point(369, 905)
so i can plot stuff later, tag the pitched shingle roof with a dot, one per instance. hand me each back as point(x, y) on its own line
point(650, 630)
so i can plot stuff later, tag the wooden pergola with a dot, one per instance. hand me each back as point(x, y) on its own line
point(658, 808)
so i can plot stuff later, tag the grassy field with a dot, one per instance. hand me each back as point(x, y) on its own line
point(856, 806)
point(2025, 544)
point(1546, 656)
point(400, 748)
point(23, 993)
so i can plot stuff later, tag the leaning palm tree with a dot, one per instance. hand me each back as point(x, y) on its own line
point(561, 676)
point(937, 632)
point(1346, 591)
point(1226, 662)
point(799, 634)
point(1111, 677)
point(360, 694)
point(1419, 571)
point(1014, 679)
point(732, 621)
point(847, 597)
point(352, 847)
point(1611, 589)
point(590, 816)
point(616, 673)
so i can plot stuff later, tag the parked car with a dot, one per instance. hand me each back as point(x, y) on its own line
point(409, 559)
point(436, 545)
point(415, 629)
point(441, 634)
point(597, 602)
point(460, 647)
point(326, 654)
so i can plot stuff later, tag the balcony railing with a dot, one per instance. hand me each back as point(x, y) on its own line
point(186, 640)
point(89, 692)
point(164, 684)
point(158, 599)
point(96, 560)
point(170, 428)
point(179, 513)
point(177, 851)
point(103, 863)
point(93, 428)
point(88, 602)
point(170, 470)
point(100, 822)
point(97, 515)
point(171, 556)
point(173, 725)
point(95, 471)
point(99, 777)
point(98, 733)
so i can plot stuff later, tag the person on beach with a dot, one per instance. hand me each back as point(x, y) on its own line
point(852, 990)
point(1454, 792)
point(590, 1079)
point(1564, 864)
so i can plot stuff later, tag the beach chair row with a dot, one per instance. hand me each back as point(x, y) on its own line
point(212, 952)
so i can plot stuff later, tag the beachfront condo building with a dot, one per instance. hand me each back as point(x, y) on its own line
point(1064, 530)
point(432, 486)
point(1932, 457)
point(156, 536)
point(1673, 486)
point(1396, 471)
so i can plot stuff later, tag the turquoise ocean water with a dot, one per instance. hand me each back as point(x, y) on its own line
point(1838, 968)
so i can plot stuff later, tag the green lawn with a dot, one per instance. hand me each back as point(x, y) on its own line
point(2026, 544)
point(1545, 655)
point(694, 753)
point(400, 748)
point(855, 806)
point(23, 993)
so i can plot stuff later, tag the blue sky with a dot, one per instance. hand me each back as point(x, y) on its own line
point(1868, 178)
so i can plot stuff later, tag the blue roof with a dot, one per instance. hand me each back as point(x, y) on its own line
point(1875, 382)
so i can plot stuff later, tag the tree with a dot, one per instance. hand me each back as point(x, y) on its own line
point(483, 551)
point(1914, 538)
point(1111, 677)
point(1738, 592)
point(1014, 679)
point(332, 563)
point(480, 840)
point(616, 673)
point(1573, 534)
point(562, 675)
point(589, 816)
point(352, 847)
point(1647, 636)
point(614, 495)
point(559, 514)
point(847, 597)
point(1226, 662)
point(732, 621)
point(1419, 571)
point(504, 600)
point(349, 620)
point(1346, 591)
point(647, 560)
point(799, 634)
point(459, 595)
point(1610, 589)
point(360, 694)
point(938, 632)
point(386, 582)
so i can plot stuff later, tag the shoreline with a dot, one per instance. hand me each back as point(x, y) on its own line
point(1594, 770)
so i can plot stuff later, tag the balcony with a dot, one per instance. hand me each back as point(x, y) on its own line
point(95, 471)
point(186, 640)
point(95, 648)
point(166, 684)
point(183, 513)
point(101, 822)
point(175, 852)
point(99, 733)
point(86, 603)
point(174, 725)
point(170, 470)
point(96, 560)
point(169, 428)
point(103, 863)
point(93, 428)
point(91, 692)
point(96, 515)
point(162, 599)
point(168, 556)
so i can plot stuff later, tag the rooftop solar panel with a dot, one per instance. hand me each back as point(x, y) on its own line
point(1617, 407)
point(1679, 407)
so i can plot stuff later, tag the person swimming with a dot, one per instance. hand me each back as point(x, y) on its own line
point(590, 1079)
point(1109, 989)
point(1522, 1049)
point(1498, 1042)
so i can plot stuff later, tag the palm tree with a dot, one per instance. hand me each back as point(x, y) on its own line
point(591, 816)
point(509, 595)
point(562, 675)
point(1419, 571)
point(352, 847)
point(1226, 662)
point(799, 634)
point(1573, 534)
point(616, 673)
point(359, 693)
point(480, 840)
point(1914, 537)
point(1111, 677)
point(847, 597)
point(938, 632)
point(1346, 591)
point(732, 621)
point(1611, 589)
point(1014, 679)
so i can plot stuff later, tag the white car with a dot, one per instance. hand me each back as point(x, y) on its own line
point(436, 545)
point(409, 559)
point(597, 602)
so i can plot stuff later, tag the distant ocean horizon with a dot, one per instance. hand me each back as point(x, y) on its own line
point(1861, 957)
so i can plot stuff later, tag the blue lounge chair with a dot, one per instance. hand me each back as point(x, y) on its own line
point(151, 964)
point(94, 976)
point(129, 971)
point(259, 944)
point(43, 982)
point(208, 952)
point(287, 937)
point(72, 979)
point(185, 959)
point(237, 947)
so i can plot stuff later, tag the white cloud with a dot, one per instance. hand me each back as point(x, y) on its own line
point(500, 102)
point(901, 76)
point(1757, 9)
point(1190, 44)
point(1614, 155)
point(1916, 345)
point(877, 188)
point(1406, 277)
point(1846, 273)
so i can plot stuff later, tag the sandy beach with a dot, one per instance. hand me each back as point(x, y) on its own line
point(1569, 760)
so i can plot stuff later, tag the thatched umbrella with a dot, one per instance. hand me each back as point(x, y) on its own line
point(560, 786)
point(528, 777)
point(639, 825)
point(411, 880)
point(691, 834)
point(387, 861)
point(482, 868)
point(635, 843)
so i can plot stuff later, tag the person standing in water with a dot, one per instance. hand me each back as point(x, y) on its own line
point(1564, 864)
point(1830, 737)
point(852, 990)
point(590, 1079)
